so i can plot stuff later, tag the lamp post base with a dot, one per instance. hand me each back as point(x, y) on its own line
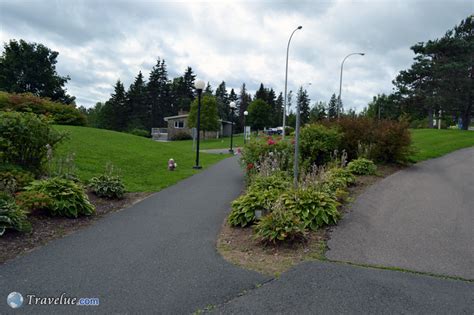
point(231, 151)
point(197, 167)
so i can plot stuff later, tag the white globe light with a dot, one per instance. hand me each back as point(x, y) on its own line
point(246, 113)
point(233, 105)
point(200, 85)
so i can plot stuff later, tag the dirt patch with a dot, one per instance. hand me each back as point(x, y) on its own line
point(46, 228)
point(238, 246)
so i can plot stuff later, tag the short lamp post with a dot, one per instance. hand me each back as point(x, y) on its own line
point(199, 85)
point(246, 113)
point(232, 106)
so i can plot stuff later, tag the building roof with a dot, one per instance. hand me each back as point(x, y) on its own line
point(186, 116)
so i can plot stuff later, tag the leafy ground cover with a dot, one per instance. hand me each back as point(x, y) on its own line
point(432, 143)
point(143, 163)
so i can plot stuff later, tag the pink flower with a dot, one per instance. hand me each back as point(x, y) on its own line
point(270, 141)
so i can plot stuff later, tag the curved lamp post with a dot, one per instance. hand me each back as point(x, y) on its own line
point(339, 101)
point(286, 78)
point(199, 85)
point(245, 131)
point(232, 106)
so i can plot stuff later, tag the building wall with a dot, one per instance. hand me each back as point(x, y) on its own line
point(173, 131)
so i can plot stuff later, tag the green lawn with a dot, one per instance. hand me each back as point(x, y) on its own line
point(431, 143)
point(143, 162)
point(223, 143)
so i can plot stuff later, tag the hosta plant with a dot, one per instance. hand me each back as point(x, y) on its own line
point(107, 186)
point(244, 207)
point(279, 226)
point(68, 198)
point(13, 217)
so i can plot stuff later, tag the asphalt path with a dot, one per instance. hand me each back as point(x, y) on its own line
point(421, 218)
point(158, 256)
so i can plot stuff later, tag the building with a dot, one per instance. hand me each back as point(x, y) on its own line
point(179, 125)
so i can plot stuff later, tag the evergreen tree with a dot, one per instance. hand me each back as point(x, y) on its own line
point(278, 117)
point(261, 93)
point(303, 101)
point(159, 94)
point(115, 109)
point(182, 91)
point(332, 107)
point(138, 111)
point(243, 103)
point(318, 112)
point(222, 99)
point(208, 89)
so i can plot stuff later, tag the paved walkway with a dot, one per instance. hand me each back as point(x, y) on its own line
point(158, 256)
point(421, 218)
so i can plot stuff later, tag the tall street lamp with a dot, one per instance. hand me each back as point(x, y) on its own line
point(232, 106)
point(339, 101)
point(286, 78)
point(199, 85)
point(245, 130)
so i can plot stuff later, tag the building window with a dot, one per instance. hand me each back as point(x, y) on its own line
point(179, 124)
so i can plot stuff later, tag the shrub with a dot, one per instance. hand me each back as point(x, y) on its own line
point(60, 114)
point(14, 179)
point(23, 139)
point(362, 166)
point(279, 226)
point(108, 186)
point(255, 151)
point(12, 217)
point(68, 198)
point(336, 181)
point(277, 181)
point(244, 207)
point(140, 132)
point(388, 140)
point(314, 208)
point(32, 201)
point(181, 135)
point(317, 142)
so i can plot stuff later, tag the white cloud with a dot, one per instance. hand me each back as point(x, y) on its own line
point(100, 42)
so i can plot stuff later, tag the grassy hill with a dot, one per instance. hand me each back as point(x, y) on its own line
point(143, 162)
point(432, 143)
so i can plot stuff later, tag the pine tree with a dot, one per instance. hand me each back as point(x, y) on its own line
point(278, 117)
point(208, 89)
point(243, 103)
point(303, 101)
point(332, 107)
point(115, 109)
point(159, 94)
point(222, 98)
point(138, 110)
point(261, 94)
point(318, 112)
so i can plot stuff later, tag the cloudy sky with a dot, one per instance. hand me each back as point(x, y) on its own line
point(235, 41)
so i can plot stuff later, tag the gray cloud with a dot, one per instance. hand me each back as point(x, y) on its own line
point(102, 41)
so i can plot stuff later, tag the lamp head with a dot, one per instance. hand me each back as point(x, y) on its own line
point(232, 105)
point(300, 27)
point(246, 113)
point(362, 54)
point(200, 85)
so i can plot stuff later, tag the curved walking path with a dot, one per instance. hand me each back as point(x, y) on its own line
point(158, 256)
point(421, 218)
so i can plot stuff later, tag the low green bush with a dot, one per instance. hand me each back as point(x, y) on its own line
point(362, 166)
point(279, 226)
point(264, 149)
point(317, 143)
point(13, 217)
point(107, 186)
point(14, 180)
point(33, 201)
point(314, 208)
point(277, 181)
point(140, 132)
point(24, 138)
point(69, 198)
point(244, 207)
point(61, 114)
point(181, 135)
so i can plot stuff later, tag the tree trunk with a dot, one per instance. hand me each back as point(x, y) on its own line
point(430, 118)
